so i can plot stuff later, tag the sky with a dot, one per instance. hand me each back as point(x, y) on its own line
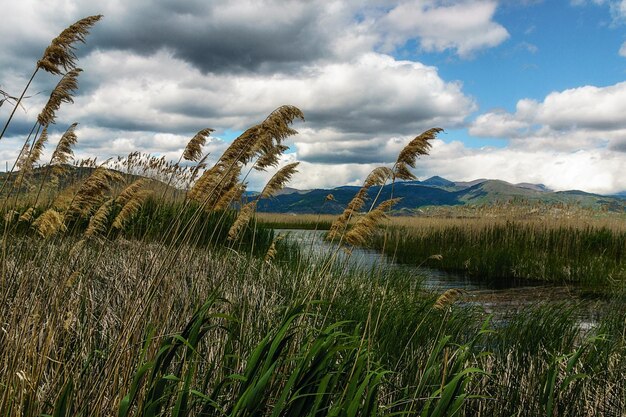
point(526, 90)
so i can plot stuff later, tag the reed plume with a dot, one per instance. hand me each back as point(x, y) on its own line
point(59, 55)
point(49, 223)
point(196, 169)
point(98, 222)
point(378, 176)
point(27, 216)
point(27, 161)
point(262, 141)
point(132, 206)
point(38, 147)
point(232, 195)
point(408, 155)
point(271, 252)
point(214, 183)
point(129, 192)
point(63, 153)
point(448, 298)
point(193, 150)
point(270, 158)
point(278, 180)
point(364, 227)
point(276, 183)
point(92, 191)
point(244, 216)
point(62, 93)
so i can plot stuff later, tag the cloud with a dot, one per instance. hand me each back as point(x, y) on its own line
point(616, 7)
point(264, 36)
point(622, 50)
point(463, 26)
point(593, 170)
point(498, 124)
point(177, 67)
point(156, 72)
point(577, 118)
point(365, 99)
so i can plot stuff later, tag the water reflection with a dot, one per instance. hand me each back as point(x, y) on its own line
point(499, 296)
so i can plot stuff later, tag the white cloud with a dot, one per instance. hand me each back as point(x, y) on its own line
point(363, 100)
point(617, 7)
point(622, 50)
point(577, 118)
point(157, 72)
point(595, 170)
point(463, 26)
point(498, 124)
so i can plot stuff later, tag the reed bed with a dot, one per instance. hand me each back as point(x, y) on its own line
point(296, 221)
point(589, 252)
point(145, 287)
point(92, 317)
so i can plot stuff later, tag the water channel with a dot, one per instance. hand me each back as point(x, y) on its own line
point(501, 297)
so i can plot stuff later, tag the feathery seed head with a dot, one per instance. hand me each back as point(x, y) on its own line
point(408, 156)
point(131, 207)
point(245, 214)
point(92, 191)
point(271, 252)
point(63, 152)
point(279, 179)
point(60, 53)
point(129, 192)
point(232, 195)
point(378, 176)
point(193, 150)
point(62, 93)
point(364, 227)
point(98, 222)
point(28, 215)
point(448, 298)
point(49, 223)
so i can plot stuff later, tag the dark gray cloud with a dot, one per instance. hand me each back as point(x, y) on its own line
point(220, 36)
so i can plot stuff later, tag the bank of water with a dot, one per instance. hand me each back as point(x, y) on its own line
point(500, 297)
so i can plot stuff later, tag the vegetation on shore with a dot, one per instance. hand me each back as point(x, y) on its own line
point(122, 297)
point(564, 252)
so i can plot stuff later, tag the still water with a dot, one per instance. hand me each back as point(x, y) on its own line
point(498, 297)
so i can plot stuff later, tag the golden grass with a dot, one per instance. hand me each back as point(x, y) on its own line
point(193, 150)
point(295, 219)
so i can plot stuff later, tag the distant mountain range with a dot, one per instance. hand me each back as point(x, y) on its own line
point(436, 191)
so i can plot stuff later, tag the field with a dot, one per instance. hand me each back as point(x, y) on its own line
point(147, 287)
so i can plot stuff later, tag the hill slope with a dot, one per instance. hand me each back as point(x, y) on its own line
point(435, 191)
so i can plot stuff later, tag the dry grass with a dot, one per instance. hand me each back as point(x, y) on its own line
point(165, 325)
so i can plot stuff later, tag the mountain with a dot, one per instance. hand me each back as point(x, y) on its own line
point(435, 191)
point(437, 181)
